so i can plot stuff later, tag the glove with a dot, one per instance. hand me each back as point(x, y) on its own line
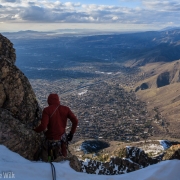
point(69, 136)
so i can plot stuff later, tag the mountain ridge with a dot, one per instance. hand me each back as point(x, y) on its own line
point(140, 47)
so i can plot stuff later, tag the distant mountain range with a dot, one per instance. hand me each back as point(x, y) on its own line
point(170, 28)
point(141, 47)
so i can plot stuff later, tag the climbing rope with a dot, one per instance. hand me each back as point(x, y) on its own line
point(53, 171)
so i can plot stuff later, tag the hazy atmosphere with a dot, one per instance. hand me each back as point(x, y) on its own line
point(117, 15)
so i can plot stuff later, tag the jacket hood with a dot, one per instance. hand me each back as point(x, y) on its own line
point(53, 99)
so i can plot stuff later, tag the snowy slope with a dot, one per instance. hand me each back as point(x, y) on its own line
point(23, 169)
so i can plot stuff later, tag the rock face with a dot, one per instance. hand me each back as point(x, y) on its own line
point(114, 167)
point(134, 159)
point(138, 156)
point(19, 109)
point(172, 153)
point(163, 79)
point(16, 93)
point(6, 49)
point(17, 136)
point(143, 86)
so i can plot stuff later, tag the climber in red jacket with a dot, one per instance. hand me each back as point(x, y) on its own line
point(54, 121)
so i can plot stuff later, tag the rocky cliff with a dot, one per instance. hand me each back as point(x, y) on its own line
point(131, 159)
point(19, 109)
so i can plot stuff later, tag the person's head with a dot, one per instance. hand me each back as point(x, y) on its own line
point(53, 99)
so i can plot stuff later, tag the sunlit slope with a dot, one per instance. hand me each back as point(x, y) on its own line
point(161, 88)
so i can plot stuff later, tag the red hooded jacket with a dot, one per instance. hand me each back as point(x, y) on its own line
point(56, 123)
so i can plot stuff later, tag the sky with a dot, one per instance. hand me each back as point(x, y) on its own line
point(23, 169)
point(108, 15)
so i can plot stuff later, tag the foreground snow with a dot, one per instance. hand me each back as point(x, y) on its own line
point(22, 169)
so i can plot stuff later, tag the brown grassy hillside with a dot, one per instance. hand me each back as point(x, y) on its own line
point(166, 98)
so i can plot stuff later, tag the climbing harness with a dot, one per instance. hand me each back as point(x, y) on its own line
point(54, 147)
point(54, 150)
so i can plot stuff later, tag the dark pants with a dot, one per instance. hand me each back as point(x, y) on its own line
point(51, 148)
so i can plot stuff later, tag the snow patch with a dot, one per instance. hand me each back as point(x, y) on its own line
point(83, 92)
point(28, 170)
point(100, 72)
point(165, 144)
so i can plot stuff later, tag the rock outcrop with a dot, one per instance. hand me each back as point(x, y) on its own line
point(163, 79)
point(17, 136)
point(159, 75)
point(143, 86)
point(114, 167)
point(134, 159)
point(6, 50)
point(19, 109)
point(172, 153)
point(138, 156)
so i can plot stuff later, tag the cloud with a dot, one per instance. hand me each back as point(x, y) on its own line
point(34, 13)
point(147, 12)
point(162, 5)
point(115, 18)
